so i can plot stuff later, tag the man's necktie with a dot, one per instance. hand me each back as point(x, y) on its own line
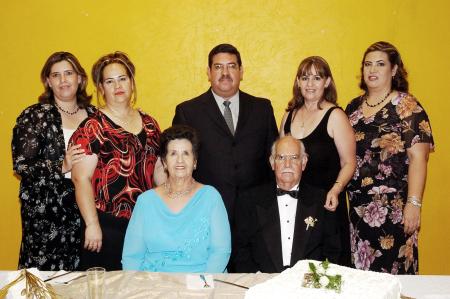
point(292, 193)
point(228, 117)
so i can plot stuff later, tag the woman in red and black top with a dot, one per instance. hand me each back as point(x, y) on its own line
point(122, 146)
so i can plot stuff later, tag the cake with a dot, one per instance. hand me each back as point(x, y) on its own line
point(356, 284)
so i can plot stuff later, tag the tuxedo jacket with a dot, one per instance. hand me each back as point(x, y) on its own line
point(231, 164)
point(257, 232)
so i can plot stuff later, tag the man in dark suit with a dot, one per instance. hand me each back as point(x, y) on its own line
point(236, 129)
point(279, 223)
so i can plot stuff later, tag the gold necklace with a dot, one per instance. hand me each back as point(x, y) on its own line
point(178, 194)
point(117, 117)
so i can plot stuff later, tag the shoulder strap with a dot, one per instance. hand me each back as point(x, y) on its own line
point(287, 124)
point(328, 113)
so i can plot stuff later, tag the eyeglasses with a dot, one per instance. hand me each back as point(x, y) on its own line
point(218, 67)
point(291, 158)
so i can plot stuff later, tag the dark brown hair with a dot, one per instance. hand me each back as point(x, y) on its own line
point(47, 97)
point(116, 57)
point(399, 81)
point(323, 70)
point(224, 48)
point(178, 132)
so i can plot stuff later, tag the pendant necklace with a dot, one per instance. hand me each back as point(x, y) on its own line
point(305, 119)
point(65, 111)
point(375, 105)
point(178, 194)
point(117, 117)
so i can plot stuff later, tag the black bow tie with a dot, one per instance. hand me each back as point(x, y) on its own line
point(292, 193)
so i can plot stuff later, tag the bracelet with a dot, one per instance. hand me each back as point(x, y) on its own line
point(414, 201)
point(339, 184)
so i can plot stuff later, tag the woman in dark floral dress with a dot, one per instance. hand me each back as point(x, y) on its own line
point(393, 141)
point(122, 146)
point(50, 216)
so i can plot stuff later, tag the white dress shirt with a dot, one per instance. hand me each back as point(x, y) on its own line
point(287, 207)
point(234, 106)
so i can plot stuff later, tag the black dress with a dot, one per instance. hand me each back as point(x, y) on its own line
point(49, 213)
point(322, 170)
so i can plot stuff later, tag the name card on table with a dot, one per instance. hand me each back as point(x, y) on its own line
point(199, 281)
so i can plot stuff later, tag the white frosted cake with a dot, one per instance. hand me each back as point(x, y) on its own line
point(356, 284)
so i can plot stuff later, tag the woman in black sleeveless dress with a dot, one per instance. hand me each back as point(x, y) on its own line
point(313, 117)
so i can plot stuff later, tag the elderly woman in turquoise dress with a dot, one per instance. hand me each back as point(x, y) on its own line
point(182, 225)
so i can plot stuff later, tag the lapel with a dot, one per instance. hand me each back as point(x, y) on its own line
point(244, 110)
point(214, 113)
point(269, 222)
point(306, 207)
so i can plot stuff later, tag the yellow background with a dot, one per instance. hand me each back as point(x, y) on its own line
point(169, 42)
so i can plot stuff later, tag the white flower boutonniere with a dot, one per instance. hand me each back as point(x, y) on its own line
point(310, 222)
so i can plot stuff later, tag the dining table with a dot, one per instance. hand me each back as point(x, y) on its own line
point(139, 284)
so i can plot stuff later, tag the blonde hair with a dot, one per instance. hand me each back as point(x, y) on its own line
point(116, 57)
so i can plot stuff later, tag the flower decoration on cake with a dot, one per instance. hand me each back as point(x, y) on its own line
point(319, 278)
point(310, 221)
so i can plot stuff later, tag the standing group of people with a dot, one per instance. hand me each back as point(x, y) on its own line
point(222, 188)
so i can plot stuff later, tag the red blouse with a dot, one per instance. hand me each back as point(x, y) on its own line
point(125, 161)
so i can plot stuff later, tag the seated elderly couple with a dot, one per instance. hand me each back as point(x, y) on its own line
point(182, 225)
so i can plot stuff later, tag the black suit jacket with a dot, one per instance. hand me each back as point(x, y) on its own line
point(230, 163)
point(257, 232)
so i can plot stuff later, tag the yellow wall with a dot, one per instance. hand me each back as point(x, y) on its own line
point(169, 42)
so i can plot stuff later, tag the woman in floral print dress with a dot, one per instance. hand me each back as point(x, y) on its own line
point(50, 217)
point(393, 141)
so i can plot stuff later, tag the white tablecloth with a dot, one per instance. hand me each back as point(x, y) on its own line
point(130, 284)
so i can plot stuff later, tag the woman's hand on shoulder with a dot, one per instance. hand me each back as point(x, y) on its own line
point(74, 154)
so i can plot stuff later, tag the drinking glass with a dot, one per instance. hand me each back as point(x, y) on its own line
point(96, 282)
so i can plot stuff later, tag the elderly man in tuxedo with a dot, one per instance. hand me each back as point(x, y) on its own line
point(279, 223)
point(236, 130)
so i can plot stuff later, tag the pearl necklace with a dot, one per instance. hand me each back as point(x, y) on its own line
point(375, 105)
point(67, 112)
point(178, 194)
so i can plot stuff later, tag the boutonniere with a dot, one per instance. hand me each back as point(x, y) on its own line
point(310, 222)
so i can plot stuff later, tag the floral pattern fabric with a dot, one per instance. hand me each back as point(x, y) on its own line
point(125, 161)
point(379, 188)
point(49, 213)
